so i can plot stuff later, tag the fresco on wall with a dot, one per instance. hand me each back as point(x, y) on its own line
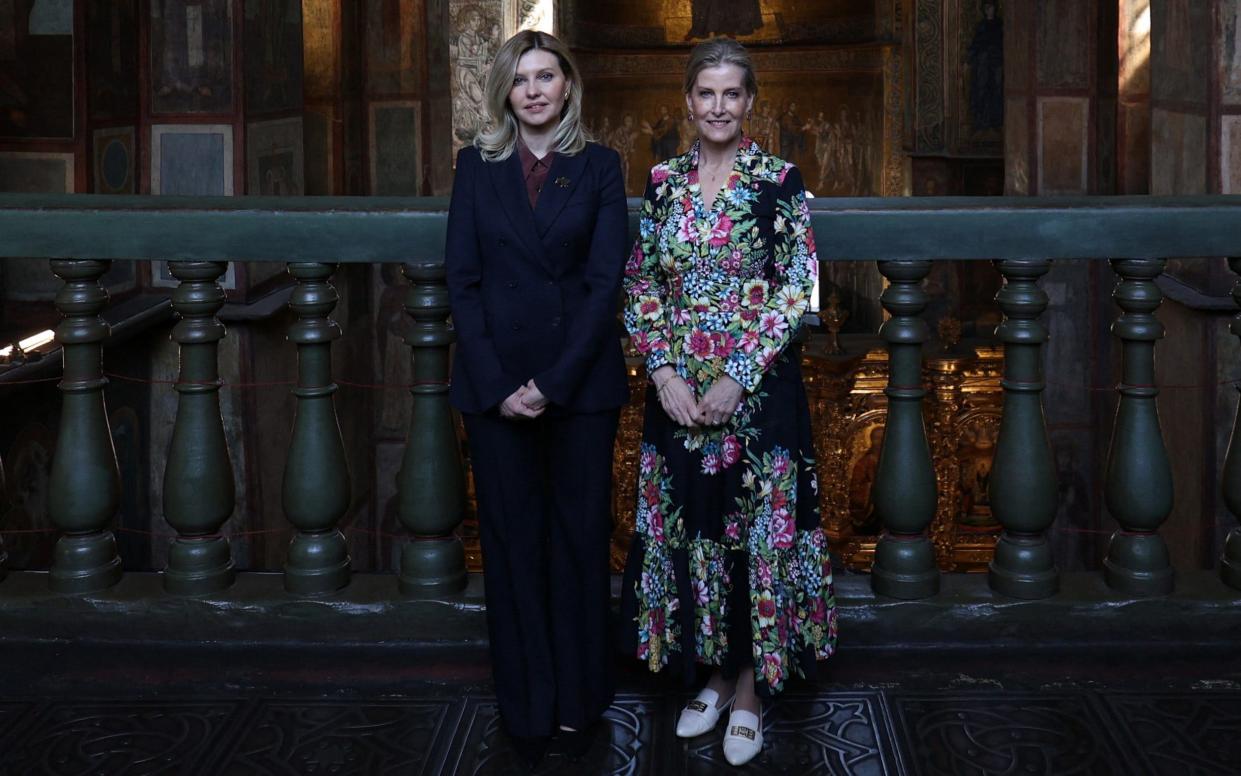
point(191, 56)
point(391, 30)
point(1063, 143)
point(1230, 21)
point(1063, 50)
point(274, 158)
point(114, 160)
point(36, 69)
point(192, 160)
point(273, 58)
point(641, 23)
point(1180, 50)
point(395, 151)
point(984, 58)
point(829, 126)
point(473, 40)
point(112, 58)
point(36, 173)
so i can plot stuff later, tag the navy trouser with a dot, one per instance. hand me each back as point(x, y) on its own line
point(544, 514)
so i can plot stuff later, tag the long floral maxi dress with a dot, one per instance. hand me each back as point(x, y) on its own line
point(729, 563)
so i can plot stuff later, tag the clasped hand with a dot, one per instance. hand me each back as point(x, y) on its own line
point(716, 406)
point(525, 402)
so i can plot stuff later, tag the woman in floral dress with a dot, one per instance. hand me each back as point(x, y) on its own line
point(729, 567)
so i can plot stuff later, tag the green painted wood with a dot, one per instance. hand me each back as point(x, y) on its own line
point(198, 478)
point(85, 486)
point(431, 483)
point(321, 229)
point(904, 490)
point(1138, 481)
point(1022, 489)
point(1230, 563)
point(316, 486)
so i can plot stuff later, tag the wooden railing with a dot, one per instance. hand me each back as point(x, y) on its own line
point(81, 234)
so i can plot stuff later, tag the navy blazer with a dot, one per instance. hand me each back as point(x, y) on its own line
point(535, 292)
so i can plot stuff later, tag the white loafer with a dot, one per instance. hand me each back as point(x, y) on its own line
point(744, 738)
point(700, 715)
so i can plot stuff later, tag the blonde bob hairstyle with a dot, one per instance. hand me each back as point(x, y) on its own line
point(716, 52)
point(498, 139)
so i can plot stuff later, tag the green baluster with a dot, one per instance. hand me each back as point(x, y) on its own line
point(198, 480)
point(85, 486)
point(431, 480)
point(316, 476)
point(1230, 566)
point(1139, 477)
point(1023, 479)
point(904, 491)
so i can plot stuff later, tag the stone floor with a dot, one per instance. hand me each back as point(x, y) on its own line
point(78, 698)
point(943, 717)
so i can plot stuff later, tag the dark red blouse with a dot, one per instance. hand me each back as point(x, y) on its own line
point(534, 169)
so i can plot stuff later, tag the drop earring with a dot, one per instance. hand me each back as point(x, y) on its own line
point(691, 115)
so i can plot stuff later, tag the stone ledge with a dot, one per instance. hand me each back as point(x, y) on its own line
point(371, 613)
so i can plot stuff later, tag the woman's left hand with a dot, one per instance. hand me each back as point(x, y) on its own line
point(720, 402)
point(533, 397)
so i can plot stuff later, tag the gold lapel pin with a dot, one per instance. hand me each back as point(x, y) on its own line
point(562, 182)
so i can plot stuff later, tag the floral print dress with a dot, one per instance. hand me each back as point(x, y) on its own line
point(729, 565)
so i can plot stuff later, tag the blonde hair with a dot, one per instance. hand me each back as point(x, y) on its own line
point(498, 139)
point(720, 51)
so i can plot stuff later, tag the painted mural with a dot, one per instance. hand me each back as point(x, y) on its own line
point(641, 23)
point(112, 58)
point(1180, 50)
point(36, 69)
point(831, 125)
point(191, 56)
point(984, 57)
point(273, 60)
point(391, 36)
point(473, 40)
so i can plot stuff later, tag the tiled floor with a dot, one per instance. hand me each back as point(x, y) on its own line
point(255, 684)
point(867, 731)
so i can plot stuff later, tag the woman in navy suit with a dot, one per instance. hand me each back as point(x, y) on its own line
point(535, 252)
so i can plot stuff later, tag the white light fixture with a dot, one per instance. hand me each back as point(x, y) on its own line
point(30, 343)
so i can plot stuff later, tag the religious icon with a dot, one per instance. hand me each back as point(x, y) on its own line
point(725, 17)
point(986, 61)
point(861, 480)
point(975, 453)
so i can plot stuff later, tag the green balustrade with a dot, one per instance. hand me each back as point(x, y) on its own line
point(198, 480)
point(1138, 488)
point(1022, 489)
point(316, 476)
point(431, 482)
point(904, 490)
point(85, 486)
point(1230, 563)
